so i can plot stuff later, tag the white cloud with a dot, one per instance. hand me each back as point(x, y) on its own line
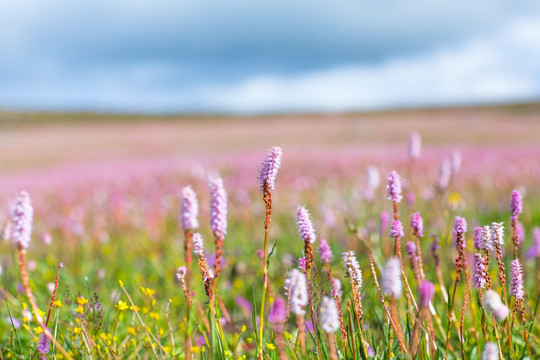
point(502, 67)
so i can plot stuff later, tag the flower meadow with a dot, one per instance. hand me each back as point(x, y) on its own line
point(407, 254)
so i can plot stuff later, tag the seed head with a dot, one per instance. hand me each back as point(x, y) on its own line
point(492, 301)
point(270, 168)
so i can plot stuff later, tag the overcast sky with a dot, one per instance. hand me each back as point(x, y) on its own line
point(265, 56)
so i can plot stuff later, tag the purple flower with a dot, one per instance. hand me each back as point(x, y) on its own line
point(520, 232)
point(479, 272)
point(189, 209)
point(218, 207)
point(352, 268)
point(385, 220)
point(516, 281)
point(325, 251)
point(43, 344)
point(14, 322)
point(396, 229)
point(411, 250)
point(278, 311)
point(534, 250)
point(516, 203)
point(269, 169)
point(478, 242)
point(460, 225)
point(415, 145)
point(244, 303)
point(417, 225)
point(305, 226)
point(23, 217)
point(393, 187)
point(302, 263)
point(426, 290)
point(445, 173)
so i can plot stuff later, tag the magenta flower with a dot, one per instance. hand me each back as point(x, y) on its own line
point(393, 187)
point(23, 217)
point(385, 220)
point(426, 290)
point(417, 225)
point(218, 207)
point(278, 311)
point(396, 229)
point(325, 251)
point(516, 203)
point(305, 226)
point(411, 249)
point(189, 209)
point(479, 272)
point(302, 263)
point(198, 245)
point(516, 281)
point(352, 268)
point(534, 250)
point(269, 169)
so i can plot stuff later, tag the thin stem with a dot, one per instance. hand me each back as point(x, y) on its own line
point(32, 301)
point(267, 196)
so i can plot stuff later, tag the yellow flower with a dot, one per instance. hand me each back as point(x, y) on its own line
point(121, 306)
point(147, 291)
point(58, 303)
point(76, 330)
point(270, 346)
point(131, 330)
point(195, 349)
point(134, 308)
point(41, 313)
point(243, 328)
point(154, 315)
point(82, 301)
point(38, 330)
point(80, 309)
point(121, 283)
point(287, 335)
